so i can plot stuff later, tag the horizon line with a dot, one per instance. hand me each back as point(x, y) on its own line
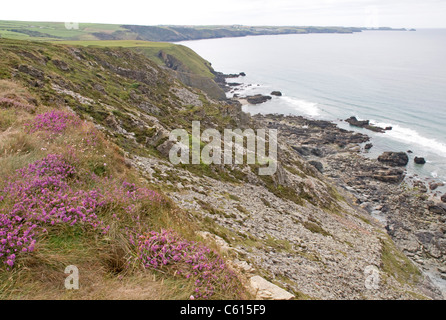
point(227, 25)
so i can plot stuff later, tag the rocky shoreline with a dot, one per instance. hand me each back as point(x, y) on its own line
point(412, 216)
point(403, 205)
point(408, 207)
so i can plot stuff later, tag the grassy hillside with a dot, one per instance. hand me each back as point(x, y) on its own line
point(184, 63)
point(74, 199)
point(192, 61)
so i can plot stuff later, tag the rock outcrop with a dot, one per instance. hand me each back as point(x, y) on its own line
point(265, 290)
point(395, 159)
point(419, 160)
point(257, 99)
point(366, 124)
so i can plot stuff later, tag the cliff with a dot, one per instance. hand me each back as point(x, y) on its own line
point(186, 65)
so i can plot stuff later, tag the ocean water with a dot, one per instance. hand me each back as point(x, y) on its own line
point(392, 78)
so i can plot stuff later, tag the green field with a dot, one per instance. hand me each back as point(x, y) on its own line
point(24, 30)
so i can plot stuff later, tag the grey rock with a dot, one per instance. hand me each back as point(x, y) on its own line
point(438, 208)
point(62, 65)
point(390, 175)
point(396, 159)
point(257, 99)
point(265, 290)
point(419, 160)
point(165, 147)
point(318, 165)
point(33, 72)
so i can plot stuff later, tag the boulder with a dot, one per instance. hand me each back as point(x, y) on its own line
point(394, 159)
point(257, 99)
point(61, 65)
point(437, 208)
point(425, 237)
point(265, 290)
point(365, 124)
point(306, 151)
point(165, 147)
point(276, 93)
point(319, 166)
point(368, 146)
point(443, 198)
point(357, 123)
point(150, 108)
point(303, 151)
point(390, 176)
point(33, 72)
point(220, 242)
point(419, 160)
point(317, 152)
point(435, 185)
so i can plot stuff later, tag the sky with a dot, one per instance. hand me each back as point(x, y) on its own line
point(348, 13)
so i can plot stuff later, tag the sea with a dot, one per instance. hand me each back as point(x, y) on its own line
point(392, 78)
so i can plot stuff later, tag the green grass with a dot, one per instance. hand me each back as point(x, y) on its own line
point(396, 264)
point(54, 30)
point(314, 227)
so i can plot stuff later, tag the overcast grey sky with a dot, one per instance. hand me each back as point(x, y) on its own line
point(367, 13)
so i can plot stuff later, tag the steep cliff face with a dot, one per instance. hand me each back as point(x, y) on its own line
point(294, 228)
point(189, 78)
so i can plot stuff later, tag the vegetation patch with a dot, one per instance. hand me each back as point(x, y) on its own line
point(314, 227)
point(72, 200)
point(396, 264)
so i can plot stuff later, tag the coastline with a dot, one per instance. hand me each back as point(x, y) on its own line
point(408, 208)
point(412, 218)
point(429, 183)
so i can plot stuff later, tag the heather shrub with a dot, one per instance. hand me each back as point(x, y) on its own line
point(38, 196)
point(80, 182)
point(11, 103)
point(167, 252)
point(49, 192)
point(53, 122)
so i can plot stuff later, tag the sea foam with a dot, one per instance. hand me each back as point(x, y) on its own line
point(412, 136)
point(303, 106)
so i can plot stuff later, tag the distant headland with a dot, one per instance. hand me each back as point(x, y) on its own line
point(50, 31)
